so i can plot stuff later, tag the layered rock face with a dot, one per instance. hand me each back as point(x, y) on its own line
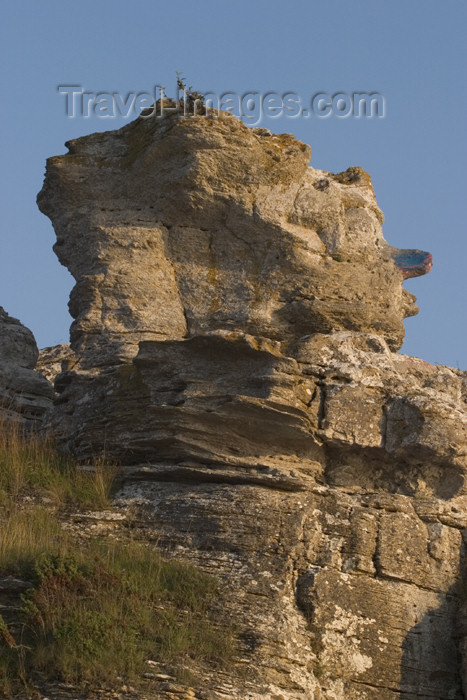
point(54, 359)
point(236, 316)
point(24, 394)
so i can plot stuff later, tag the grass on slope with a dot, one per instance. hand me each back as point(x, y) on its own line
point(96, 609)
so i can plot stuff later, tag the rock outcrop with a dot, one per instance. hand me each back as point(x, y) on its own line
point(24, 394)
point(54, 359)
point(237, 321)
point(177, 227)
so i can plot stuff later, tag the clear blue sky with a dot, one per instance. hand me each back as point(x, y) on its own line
point(411, 51)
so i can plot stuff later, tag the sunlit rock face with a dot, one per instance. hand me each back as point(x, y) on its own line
point(180, 226)
point(236, 316)
point(24, 394)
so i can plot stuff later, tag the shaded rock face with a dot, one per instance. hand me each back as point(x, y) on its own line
point(236, 317)
point(24, 394)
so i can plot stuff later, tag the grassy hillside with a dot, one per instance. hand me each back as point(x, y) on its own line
point(87, 610)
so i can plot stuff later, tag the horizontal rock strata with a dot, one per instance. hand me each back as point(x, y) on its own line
point(25, 394)
point(237, 316)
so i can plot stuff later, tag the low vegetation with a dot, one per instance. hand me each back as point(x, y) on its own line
point(94, 609)
point(30, 466)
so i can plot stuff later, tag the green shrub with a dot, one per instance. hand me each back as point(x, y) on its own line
point(103, 609)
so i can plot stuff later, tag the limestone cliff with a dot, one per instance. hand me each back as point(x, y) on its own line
point(177, 227)
point(24, 394)
point(54, 359)
point(237, 321)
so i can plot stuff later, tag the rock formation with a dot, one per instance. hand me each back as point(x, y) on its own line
point(176, 228)
point(24, 394)
point(55, 359)
point(237, 320)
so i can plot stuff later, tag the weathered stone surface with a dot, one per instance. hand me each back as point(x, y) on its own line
point(238, 436)
point(55, 359)
point(236, 317)
point(182, 226)
point(370, 418)
point(24, 394)
point(323, 608)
